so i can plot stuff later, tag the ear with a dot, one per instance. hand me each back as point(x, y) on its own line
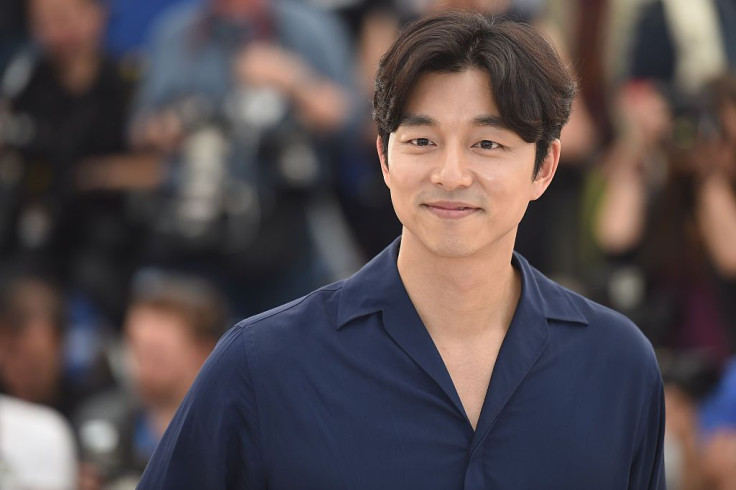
point(384, 162)
point(547, 170)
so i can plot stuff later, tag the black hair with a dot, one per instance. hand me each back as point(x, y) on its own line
point(531, 86)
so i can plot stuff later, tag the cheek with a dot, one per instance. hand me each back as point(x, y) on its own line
point(503, 180)
point(404, 179)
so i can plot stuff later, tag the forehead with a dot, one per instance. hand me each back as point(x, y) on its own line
point(461, 96)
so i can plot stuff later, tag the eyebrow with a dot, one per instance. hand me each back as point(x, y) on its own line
point(492, 121)
point(423, 120)
point(416, 120)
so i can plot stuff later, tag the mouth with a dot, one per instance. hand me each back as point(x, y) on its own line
point(451, 210)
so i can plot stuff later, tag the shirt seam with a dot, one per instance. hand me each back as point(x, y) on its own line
point(252, 371)
point(248, 322)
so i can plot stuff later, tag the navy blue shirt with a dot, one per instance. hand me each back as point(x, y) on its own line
point(345, 389)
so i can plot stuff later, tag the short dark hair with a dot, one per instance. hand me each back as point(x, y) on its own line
point(531, 86)
point(193, 299)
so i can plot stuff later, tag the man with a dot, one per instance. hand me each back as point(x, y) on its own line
point(34, 365)
point(172, 324)
point(447, 362)
point(170, 330)
point(212, 49)
point(62, 130)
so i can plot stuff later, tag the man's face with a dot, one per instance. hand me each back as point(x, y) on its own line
point(164, 357)
point(31, 362)
point(460, 182)
point(236, 9)
point(66, 28)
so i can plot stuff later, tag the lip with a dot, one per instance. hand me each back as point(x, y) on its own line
point(451, 209)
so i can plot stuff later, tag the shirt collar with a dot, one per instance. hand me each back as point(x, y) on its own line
point(377, 287)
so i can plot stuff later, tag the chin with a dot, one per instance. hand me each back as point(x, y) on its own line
point(452, 247)
point(465, 243)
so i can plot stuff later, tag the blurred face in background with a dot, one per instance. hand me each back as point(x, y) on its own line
point(487, 6)
point(236, 9)
point(164, 355)
point(31, 345)
point(67, 28)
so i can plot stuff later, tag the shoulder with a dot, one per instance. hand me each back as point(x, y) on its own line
point(42, 452)
point(607, 330)
point(277, 331)
point(34, 420)
point(175, 21)
point(300, 14)
point(314, 33)
point(268, 341)
point(315, 311)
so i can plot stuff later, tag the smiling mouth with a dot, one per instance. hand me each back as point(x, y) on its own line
point(449, 210)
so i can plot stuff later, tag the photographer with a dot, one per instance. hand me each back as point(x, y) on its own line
point(241, 98)
point(63, 154)
point(667, 224)
point(668, 209)
point(172, 324)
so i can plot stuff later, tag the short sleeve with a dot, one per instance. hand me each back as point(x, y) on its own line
point(647, 469)
point(213, 440)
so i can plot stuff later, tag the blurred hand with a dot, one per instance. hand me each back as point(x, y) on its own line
point(163, 131)
point(121, 172)
point(266, 64)
point(713, 157)
point(89, 477)
point(681, 421)
point(320, 104)
point(719, 460)
point(644, 113)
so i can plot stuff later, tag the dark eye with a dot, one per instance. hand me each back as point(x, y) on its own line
point(421, 142)
point(487, 144)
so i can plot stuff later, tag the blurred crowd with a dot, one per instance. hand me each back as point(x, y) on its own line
point(169, 167)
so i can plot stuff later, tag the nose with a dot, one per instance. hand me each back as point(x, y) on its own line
point(452, 170)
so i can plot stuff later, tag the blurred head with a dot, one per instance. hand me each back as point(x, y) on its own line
point(236, 9)
point(495, 7)
point(67, 28)
point(31, 333)
point(530, 85)
point(705, 128)
point(171, 327)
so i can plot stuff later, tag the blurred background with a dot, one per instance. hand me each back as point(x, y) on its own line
point(168, 167)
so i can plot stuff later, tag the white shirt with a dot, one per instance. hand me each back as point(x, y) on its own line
point(37, 448)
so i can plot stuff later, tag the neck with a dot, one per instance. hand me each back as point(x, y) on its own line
point(79, 72)
point(460, 297)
